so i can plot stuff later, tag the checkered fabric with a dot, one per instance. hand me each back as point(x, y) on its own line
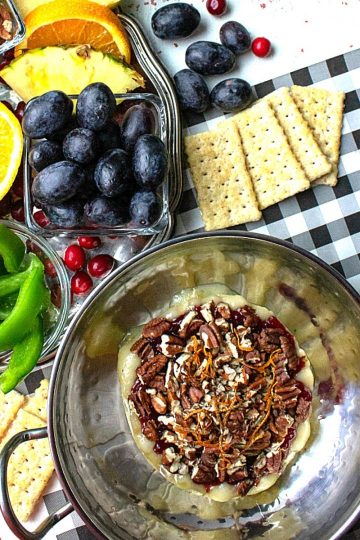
point(323, 220)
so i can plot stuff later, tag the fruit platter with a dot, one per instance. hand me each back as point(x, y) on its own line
point(124, 125)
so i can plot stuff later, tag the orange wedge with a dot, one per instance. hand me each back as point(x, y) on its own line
point(11, 146)
point(76, 22)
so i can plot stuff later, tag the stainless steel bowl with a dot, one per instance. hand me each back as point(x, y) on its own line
point(106, 478)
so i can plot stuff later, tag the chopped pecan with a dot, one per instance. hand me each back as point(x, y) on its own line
point(171, 345)
point(224, 310)
point(149, 430)
point(235, 422)
point(156, 327)
point(273, 463)
point(204, 477)
point(195, 394)
point(289, 350)
point(159, 403)
point(185, 323)
point(141, 402)
point(210, 336)
point(238, 475)
point(262, 442)
point(243, 487)
point(143, 349)
point(281, 424)
point(6, 25)
point(151, 367)
point(208, 460)
point(158, 382)
point(250, 317)
point(269, 339)
point(302, 410)
point(193, 327)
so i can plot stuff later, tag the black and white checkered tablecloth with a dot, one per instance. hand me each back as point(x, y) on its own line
point(323, 220)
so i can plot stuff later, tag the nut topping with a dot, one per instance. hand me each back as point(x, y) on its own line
point(6, 25)
point(217, 390)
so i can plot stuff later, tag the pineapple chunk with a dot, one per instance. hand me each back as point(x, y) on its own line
point(69, 69)
point(25, 6)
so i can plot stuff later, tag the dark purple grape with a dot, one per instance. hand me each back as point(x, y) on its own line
point(59, 135)
point(45, 153)
point(209, 58)
point(67, 214)
point(81, 145)
point(175, 21)
point(192, 91)
point(113, 175)
point(109, 137)
point(150, 162)
point(107, 212)
point(231, 95)
point(46, 114)
point(58, 182)
point(235, 37)
point(138, 120)
point(96, 105)
point(145, 208)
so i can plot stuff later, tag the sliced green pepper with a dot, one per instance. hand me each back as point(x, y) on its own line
point(11, 283)
point(7, 304)
point(28, 305)
point(12, 249)
point(24, 357)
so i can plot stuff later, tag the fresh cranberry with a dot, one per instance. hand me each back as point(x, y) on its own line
point(19, 111)
point(18, 185)
point(41, 219)
point(81, 282)
point(100, 265)
point(50, 269)
point(89, 242)
point(17, 211)
point(74, 257)
point(5, 205)
point(216, 7)
point(261, 46)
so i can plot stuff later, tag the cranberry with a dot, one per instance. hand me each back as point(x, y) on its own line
point(89, 242)
point(18, 185)
point(17, 211)
point(74, 257)
point(100, 265)
point(41, 219)
point(5, 205)
point(261, 46)
point(50, 269)
point(55, 295)
point(19, 111)
point(81, 282)
point(216, 7)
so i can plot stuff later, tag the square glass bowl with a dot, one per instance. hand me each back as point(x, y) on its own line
point(128, 229)
point(57, 281)
point(18, 27)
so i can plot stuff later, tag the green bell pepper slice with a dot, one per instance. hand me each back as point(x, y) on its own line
point(12, 249)
point(11, 283)
point(28, 305)
point(24, 357)
point(7, 304)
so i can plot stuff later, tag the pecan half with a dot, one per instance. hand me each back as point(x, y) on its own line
point(151, 367)
point(210, 336)
point(171, 345)
point(142, 348)
point(195, 394)
point(159, 403)
point(149, 430)
point(156, 327)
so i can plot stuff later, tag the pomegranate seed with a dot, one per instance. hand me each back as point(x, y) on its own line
point(81, 282)
point(50, 269)
point(41, 219)
point(216, 7)
point(74, 257)
point(89, 242)
point(261, 46)
point(17, 211)
point(100, 265)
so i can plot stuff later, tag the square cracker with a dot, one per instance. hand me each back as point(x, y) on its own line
point(217, 163)
point(37, 403)
point(299, 134)
point(323, 111)
point(30, 466)
point(9, 405)
point(275, 171)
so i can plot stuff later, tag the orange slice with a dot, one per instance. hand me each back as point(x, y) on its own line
point(76, 22)
point(11, 146)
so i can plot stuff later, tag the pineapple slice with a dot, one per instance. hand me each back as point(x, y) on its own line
point(69, 69)
point(25, 6)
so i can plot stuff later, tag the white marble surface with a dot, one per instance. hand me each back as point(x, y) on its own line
point(302, 32)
